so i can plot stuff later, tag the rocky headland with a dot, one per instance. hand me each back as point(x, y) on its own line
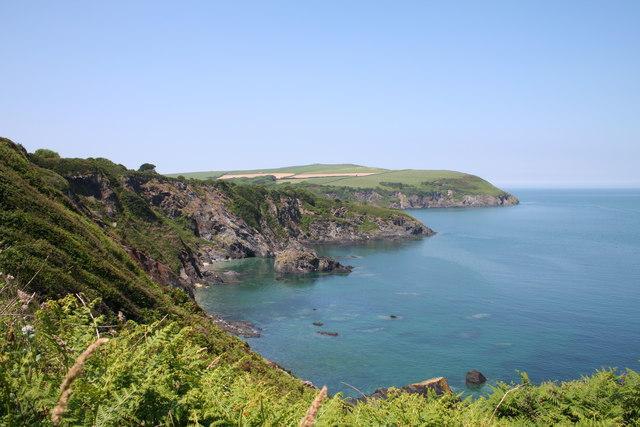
point(436, 199)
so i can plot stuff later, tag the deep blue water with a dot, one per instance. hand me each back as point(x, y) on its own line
point(550, 287)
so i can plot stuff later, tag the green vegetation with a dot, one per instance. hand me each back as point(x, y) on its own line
point(46, 154)
point(146, 167)
point(165, 362)
point(169, 373)
point(45, 236)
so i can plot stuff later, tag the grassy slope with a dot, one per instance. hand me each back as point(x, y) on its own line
point(45, 237)
point(421, 180)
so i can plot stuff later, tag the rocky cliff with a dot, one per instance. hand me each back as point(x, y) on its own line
point(204, 222)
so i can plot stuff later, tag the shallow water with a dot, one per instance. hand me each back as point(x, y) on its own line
point(550, 287)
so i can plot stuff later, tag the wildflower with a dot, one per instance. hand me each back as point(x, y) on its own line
point(28, 330)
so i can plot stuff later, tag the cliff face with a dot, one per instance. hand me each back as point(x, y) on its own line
point(436, 199)
point(449, 200)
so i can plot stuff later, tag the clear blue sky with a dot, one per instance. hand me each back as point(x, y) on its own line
point(519, 92)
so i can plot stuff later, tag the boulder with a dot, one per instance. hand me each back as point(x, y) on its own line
point(475, 378)
point(302, 260)
point(438, 385)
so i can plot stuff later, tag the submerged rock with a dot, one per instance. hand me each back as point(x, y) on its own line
point(302, 260)
point(332, 334)
point(475, 378)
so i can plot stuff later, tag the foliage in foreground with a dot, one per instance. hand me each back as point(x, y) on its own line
point(166, 373)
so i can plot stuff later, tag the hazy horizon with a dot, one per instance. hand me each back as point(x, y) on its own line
point(519, 93)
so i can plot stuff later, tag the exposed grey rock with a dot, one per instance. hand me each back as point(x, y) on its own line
point(436, 199)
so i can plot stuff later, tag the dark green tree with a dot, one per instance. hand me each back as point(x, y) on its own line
point(146, 167)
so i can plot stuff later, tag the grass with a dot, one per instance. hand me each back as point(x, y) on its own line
point(404, 180)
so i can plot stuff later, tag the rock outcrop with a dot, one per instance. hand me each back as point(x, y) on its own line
point(438, 385)
point(475, 378)
point(302, 260)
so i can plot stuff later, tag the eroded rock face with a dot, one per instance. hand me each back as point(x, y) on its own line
point(95, 187)
point(190, 273)
point(301, 260)
point(448, 199)
point(436, 199)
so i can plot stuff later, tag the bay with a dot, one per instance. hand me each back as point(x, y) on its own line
point(550, 287)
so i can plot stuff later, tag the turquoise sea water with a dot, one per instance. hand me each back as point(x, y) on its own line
point(550, 287)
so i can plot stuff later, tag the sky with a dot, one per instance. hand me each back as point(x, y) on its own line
point(522, 93)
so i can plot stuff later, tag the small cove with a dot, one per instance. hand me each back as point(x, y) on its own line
point(550, 287)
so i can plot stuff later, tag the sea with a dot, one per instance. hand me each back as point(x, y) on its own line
point(550, 287)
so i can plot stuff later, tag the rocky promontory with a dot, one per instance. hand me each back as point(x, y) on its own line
point(303, 260)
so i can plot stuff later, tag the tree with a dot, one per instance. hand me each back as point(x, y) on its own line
point(146, 167)
point(46, 154)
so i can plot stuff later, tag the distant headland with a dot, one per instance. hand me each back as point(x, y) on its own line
point(397, 189)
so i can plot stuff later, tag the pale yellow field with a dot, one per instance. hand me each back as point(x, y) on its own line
point(256, 175)
point(293, 176)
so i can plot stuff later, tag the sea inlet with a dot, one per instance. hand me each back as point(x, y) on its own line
point(550, 287)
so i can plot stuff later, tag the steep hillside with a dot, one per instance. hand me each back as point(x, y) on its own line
point(397, 189)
